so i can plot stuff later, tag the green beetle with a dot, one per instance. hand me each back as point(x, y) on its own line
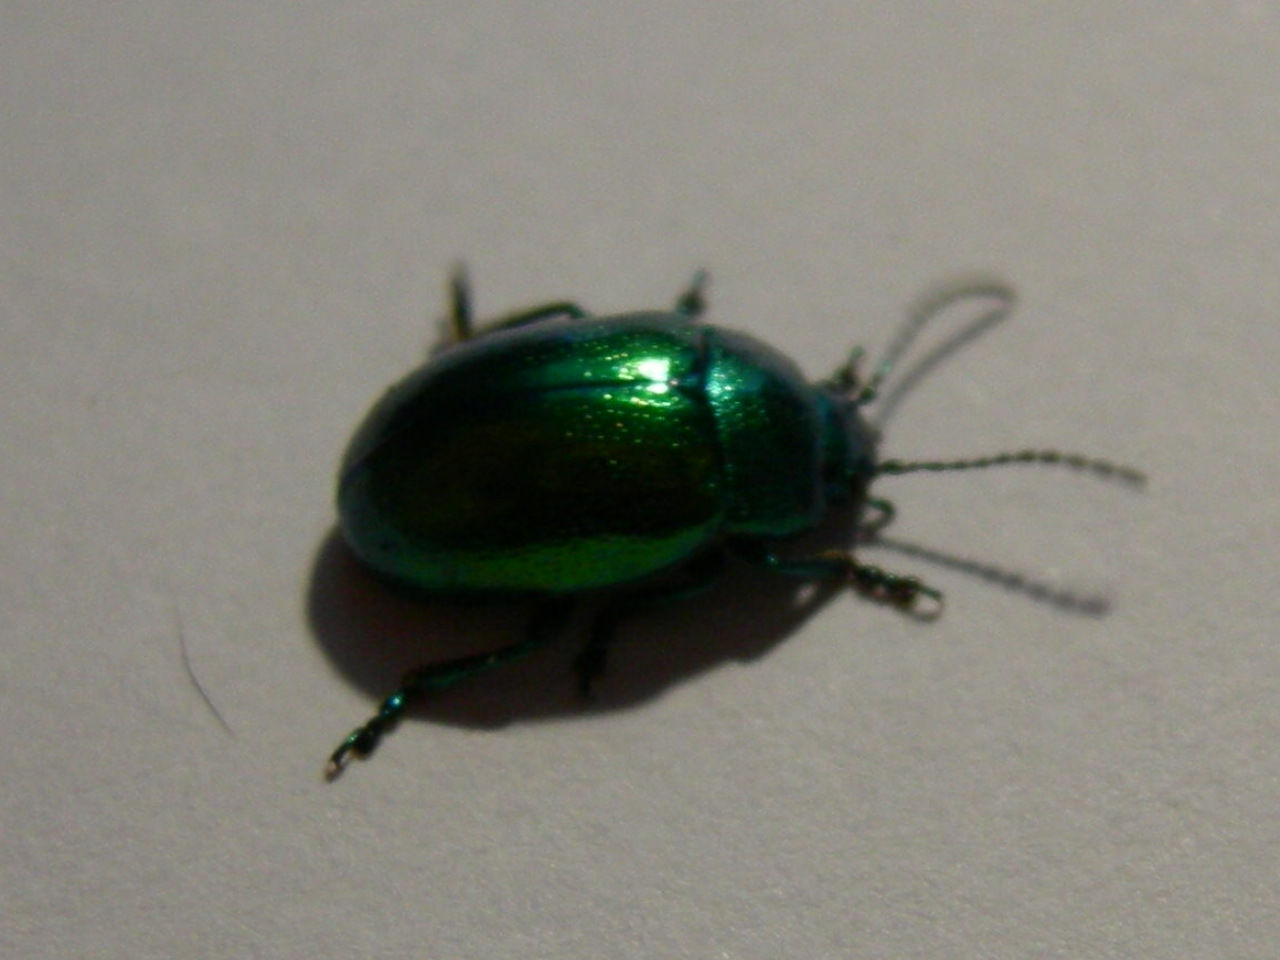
point(553, 452)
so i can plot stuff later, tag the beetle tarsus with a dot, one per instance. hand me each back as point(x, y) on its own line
point(362, 741)
point(545, 625)
point(902, 593)
point(836, 566)
point(338, 762)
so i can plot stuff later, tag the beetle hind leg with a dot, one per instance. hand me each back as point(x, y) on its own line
point(547, 623)
point(592, 660)
point(462, 321)
point(566, 309)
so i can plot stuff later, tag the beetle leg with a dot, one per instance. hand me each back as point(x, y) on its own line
point(885, 512)
point(894, 589)
point(845, 379)
point(902, 592)
point(696, 576)
point(461, 324)
point(692, 302)
point(547, 311)
point(547, 623)
point(460, 305)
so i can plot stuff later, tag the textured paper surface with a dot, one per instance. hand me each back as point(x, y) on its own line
point(225, 229)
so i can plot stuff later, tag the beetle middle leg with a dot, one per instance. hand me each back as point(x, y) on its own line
point(461, 321)
point(696, 576)
point(692, 302)
point(837, 566)
point(546, 624)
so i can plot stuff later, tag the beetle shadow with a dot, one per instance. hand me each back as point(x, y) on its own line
point(373, 634)
point(997, 306)
point(1062, 598)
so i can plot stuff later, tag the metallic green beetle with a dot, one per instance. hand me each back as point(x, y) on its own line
point(552, 452)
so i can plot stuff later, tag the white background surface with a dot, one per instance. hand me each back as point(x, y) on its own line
point(224, 228)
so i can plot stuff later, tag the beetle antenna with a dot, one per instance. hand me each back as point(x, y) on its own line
point(1073, 461)
point(931, 305)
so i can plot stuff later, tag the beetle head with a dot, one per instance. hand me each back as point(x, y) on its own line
point(849, 445)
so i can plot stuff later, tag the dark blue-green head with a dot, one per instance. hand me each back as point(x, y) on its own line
point(849, 444)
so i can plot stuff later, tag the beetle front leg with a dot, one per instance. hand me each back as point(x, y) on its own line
point(836, 566)
point(885, 512)
point(547, 623)
point(696, 576)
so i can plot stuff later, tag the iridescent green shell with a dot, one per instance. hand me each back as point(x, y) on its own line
point(574, 454)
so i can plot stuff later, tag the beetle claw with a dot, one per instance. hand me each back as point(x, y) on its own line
point(338, 762)
point(901, 592)
point(931, 611)
point(360, 743)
